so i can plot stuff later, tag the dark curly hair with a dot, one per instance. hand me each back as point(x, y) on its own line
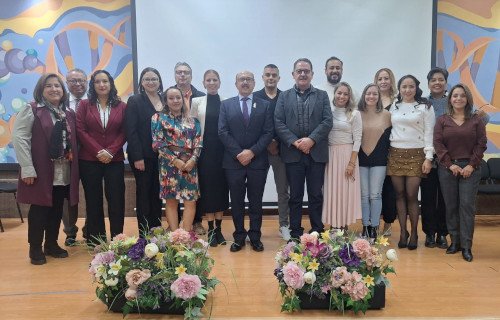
point(113, 98)
point(418, 93)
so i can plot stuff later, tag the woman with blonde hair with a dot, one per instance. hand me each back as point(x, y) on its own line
point(341, 189)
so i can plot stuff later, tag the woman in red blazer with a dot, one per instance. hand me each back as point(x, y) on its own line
point(101, 132)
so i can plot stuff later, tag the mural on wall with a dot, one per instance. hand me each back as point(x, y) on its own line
point(41, 36)
point(468, 46)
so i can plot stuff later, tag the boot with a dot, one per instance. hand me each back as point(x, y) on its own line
point(36, 255)
point(373, 232)
point(218, 232)
point(366, 231)
point(212, 238)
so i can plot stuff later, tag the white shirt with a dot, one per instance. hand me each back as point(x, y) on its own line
point(344, 130)
point(413, 127)
point(72, 101)
point(249, 103)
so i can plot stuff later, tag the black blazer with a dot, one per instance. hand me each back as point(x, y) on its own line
point(236, 137)
point(138, 127)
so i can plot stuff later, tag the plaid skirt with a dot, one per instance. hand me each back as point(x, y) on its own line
point(406, 162)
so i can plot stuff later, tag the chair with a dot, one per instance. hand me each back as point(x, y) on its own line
point(10, 187)
point(490, 174)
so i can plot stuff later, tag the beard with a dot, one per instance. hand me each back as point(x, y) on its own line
point(334, 78)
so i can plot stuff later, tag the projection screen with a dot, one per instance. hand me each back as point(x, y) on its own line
point(234, 35)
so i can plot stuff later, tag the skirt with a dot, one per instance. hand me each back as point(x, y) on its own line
point(406, 162)
point(341, 195)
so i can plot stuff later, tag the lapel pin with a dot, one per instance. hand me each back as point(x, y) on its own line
point(254, 105)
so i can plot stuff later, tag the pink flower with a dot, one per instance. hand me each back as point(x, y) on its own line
point(325, 288)
point(362, 248)
point(135, 277)
point(120, 237)
point(180, 236)
point(131, 293)
point(308, 238)
point(288, 248)
point(102, 258)
point(186, 286)
point(340, 276)
point(355, 287)
point(293, 275)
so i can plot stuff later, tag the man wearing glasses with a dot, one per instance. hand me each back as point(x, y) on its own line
point(302, 121)
point(183, 78)
point(246, 129)
point(76, 80)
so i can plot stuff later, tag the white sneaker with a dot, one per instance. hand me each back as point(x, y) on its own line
point(247, 239)
point(285, 233)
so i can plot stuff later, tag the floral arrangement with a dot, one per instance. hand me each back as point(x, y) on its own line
point(332, 265)
point(163, 267)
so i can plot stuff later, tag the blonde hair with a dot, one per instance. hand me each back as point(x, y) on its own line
point(350, 105)
point(393, 90)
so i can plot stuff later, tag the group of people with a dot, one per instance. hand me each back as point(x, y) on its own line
point(357, 160)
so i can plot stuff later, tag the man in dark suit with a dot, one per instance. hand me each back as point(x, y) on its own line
point(183, 78)
point(246, 129)
point(302, 121)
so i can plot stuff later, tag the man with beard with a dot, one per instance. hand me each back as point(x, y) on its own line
point(303, 120)
point(333, 71)
point(270, 93)
point(246, 129)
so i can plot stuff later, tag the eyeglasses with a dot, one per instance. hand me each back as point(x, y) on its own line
point(150, 79)
point(245, 79)
point(183, 72)
point(77, 81)
point(303, 71)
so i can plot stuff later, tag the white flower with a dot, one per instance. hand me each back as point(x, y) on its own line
point(100, 271)
point(391, 255)
point(309, 277)
point(279, 257)
point(114, 268)
point(315, 234)
point(111, 282)
point(151, 250)
point(339, 233)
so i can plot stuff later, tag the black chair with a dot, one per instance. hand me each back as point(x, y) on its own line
point(10, 187)
point(491, 175)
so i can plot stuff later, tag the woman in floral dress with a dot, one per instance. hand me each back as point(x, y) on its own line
point(177, 138)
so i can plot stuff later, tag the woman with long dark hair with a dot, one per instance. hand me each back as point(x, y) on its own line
point(101, 132)
point(49, 167)
point(411, 153)
point(460, 142)
point(142, 158)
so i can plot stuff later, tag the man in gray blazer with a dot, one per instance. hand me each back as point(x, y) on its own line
point(302, 121)
point(246, 129)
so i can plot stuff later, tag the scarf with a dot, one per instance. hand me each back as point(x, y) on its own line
point(60, 139)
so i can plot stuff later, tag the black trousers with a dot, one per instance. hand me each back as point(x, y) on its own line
point(92, 174)
point(250, 182)
point(147, 196)
point(389, 210)
point(47, 220)
point(432, 208)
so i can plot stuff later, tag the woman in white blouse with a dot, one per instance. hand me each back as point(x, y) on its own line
point(411, 153)
point(341, 190)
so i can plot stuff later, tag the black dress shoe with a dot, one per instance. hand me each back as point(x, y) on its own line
point(70, 242)
point(55, 251)
point(441, 242)
point(467, 255)
point(453, 248)
point(237, 246)
point(219, 236)
point(36, 256)
point(212, 238)
point(413, 243)
point(257, 245)
point(429, 241)
point(403, 243)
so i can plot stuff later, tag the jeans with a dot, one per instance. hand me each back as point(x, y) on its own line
point(460, 200)
point(372, 181)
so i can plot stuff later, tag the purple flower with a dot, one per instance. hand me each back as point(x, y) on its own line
point(349, 258)
point(136, 252)
point(324, 254)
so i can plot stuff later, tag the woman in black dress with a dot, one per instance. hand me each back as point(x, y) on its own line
point(143, 160)
point(211, 177)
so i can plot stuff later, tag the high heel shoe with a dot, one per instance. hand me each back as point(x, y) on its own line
point(412, 245)
point(404, 244)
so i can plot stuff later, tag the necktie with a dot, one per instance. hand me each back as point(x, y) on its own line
point(77, 103)
point(246, 116)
